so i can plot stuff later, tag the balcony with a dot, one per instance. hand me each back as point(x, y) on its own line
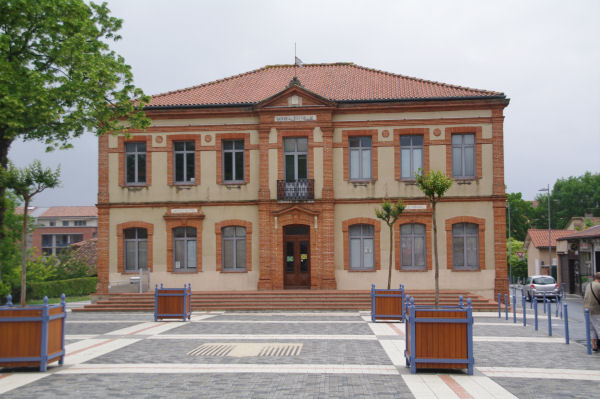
point(296, 190)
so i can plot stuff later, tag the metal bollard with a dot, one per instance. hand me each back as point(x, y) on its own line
point(557, 299)
point(587, 331)
point(549, 323)
point(9, 300)
point(506, 305)
point(515, 309)
point(499, 305)
point(535, 312)
point(566, 324)
point(544, 303)
point(524, 312)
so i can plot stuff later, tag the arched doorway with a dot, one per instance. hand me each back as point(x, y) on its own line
point(296, 256)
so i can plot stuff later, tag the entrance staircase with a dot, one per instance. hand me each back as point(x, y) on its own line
point(291, 300)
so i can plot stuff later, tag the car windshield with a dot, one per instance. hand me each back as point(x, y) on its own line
point(543, 280)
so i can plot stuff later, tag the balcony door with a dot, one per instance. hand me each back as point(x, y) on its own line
point(296, 257)
point(295, 156)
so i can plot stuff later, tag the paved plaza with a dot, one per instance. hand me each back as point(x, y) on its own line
point(299, 355)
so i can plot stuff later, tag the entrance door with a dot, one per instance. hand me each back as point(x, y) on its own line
point(296, 257)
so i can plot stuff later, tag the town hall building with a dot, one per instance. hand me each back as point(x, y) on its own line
point(269, 180)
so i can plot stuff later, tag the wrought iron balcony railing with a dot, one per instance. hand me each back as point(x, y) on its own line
point(296, 190)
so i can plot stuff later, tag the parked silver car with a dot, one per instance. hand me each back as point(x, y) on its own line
point(538, 285)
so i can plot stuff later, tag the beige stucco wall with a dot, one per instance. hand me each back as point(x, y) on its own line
point(540, 255)
point(480, 282)
point(208, 279)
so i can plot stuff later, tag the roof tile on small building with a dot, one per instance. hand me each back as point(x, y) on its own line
point(539, 237)
point(70, 211)
point(336, 82)
point(591, 232)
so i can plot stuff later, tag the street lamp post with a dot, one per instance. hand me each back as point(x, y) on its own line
point(547, 189)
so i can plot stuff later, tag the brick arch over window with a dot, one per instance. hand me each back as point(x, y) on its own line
point(397, 148)
point(173, 221)
point(480, 222)
point(376, 240)
point(120, 243)
point(245, 137)
point(414, 219)
point(197, 139)
point(219, 238)
point(479, 141)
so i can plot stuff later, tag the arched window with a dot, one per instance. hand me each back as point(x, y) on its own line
point(136, 248)
point(184, 249)
point(361, 247)
point(413, 246)
point(234, 248)
point(465, 246)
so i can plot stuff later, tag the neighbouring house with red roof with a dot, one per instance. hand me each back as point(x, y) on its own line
point(537, 244)
point(269, 179)
point(57, 227)
point(579, 256)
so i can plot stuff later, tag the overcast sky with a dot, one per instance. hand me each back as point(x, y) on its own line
point(544, 55)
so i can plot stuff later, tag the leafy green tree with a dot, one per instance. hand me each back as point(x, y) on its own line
point(434, 185)
point(521, 214)
point(518, 266)
point(389, 213)
point(58, 76)
point(10, 247)
point(27, 183)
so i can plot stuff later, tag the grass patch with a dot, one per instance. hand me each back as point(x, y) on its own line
point(57, 300)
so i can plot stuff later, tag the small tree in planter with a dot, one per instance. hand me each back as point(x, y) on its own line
point(388, 304)
point(27, 183)
point(389, 213)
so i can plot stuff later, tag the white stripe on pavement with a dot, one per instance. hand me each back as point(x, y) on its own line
point(197, 368)
point(17, 380)
point(395, 350)
point(89, 349)
point(527, 372)
point(264, 336)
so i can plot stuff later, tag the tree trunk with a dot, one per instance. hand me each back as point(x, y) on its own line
point(391, 252)
point(435, 252)
point(24, 255)
point(4, 146)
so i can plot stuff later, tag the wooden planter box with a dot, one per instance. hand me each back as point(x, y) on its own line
point(439, 338)
point(387, 304)
point(173, 303)
point(33, 336)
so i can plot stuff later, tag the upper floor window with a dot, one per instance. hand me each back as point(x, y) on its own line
point(184, 248)
point(234, 248)
point(65, 223)
point(463, 155)
point(360, 158)
point(136, 248)
point(135, 155)
point(295, 153)
point(233, 161)
point(465, 246)
point(80, 222)
point(412, 240)
point(185, 155)
point(411, 155)
point(361, 238)
point(52, 223)
point(54, 244)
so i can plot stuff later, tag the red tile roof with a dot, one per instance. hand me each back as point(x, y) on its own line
point(70, 211)
point(539, 237)
point(591, 232)
point(336, 82)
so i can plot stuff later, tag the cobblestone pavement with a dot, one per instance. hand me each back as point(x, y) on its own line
point(298, 355)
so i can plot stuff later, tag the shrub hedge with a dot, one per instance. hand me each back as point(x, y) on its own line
point(53, 289)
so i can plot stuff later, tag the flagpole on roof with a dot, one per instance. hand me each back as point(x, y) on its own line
point(297, 61)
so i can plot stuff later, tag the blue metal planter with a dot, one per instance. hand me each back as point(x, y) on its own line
point(173, 303)
point(439, 338)
point(387, 304)
point(33, 336)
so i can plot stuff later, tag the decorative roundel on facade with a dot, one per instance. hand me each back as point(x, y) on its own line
point(437, 132)
point(158, 139)
point(385, 133)
point(208, 138)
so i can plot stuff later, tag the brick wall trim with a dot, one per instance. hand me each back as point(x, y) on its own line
point(373, 133)
point(480, 222)
point(376, 240)
point(414, 219)
point(219, 233)
point(197, 139)
point(121, 244)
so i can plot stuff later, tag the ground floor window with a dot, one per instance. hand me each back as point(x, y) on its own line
point(184, 244)
point(234, 248)
point(465, 246)
point(361, 247)
point(412, 246)
point(136, 248)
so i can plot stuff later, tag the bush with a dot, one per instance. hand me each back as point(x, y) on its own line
point(54, 289)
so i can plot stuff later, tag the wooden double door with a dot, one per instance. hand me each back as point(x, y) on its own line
point(296, 256)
